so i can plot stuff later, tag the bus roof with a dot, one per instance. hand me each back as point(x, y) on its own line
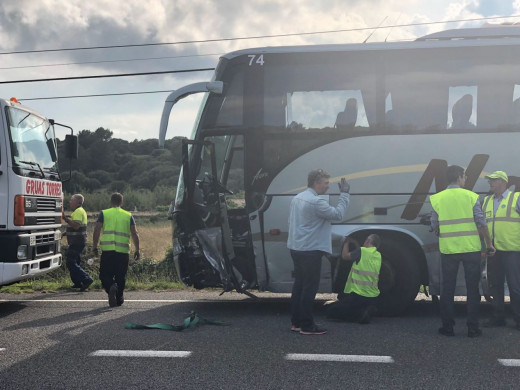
point(487, 35)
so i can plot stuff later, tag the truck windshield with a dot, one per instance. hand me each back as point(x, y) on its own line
point(29, 134)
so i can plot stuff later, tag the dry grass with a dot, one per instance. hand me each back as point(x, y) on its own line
point(154, 238)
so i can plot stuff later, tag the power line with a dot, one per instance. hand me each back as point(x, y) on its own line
point(255, 37)
point(106, 76)
point(96, 95)
point(109, 61)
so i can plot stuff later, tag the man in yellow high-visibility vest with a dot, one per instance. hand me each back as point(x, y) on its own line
point(358, 300)
point(117, 226)
point(502, 210)
point(458, 218)
point(77, 239)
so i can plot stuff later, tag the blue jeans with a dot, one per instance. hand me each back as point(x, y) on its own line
point(501, 267)
point(77, 274)
point(307, 270)
point(450, 267)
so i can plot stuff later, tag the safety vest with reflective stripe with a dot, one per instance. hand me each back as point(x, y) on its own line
point(116, 230)
point(505, 224)
point(458, 231)
point(364, 275)
point(78, 237)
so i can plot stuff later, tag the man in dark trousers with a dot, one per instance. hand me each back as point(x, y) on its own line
point(77, 239)
point(358, 300)
point(309, 239)
point(458, 219)
point(117, 226)
point(502, 210)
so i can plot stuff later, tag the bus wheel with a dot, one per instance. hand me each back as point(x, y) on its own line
point(399, 279)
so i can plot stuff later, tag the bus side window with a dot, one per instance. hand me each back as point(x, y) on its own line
point(347, 118)
point(462, 108)
point(516, 112)
point(515, 107)
point(461, 113)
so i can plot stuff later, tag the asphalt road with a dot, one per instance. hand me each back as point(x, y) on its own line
point(61, 341)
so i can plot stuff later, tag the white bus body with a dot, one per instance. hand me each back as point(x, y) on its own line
point(31, 194)
point(390, 117)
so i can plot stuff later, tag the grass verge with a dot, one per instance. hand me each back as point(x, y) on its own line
point(144, 274)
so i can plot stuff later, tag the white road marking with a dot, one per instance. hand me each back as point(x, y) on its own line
point(2, 349)
point(510, 362)
point(339, 358)
point(130, 353)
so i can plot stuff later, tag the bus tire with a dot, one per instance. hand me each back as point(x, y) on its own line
point(399, 279)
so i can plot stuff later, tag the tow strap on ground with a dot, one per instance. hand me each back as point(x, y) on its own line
point(189, 322)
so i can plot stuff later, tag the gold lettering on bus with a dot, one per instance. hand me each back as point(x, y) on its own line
point(436, 170)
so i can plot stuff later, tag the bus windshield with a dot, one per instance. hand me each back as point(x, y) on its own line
point(29, 134)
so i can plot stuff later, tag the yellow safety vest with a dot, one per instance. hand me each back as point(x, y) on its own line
point(458, 231)
point(116, 230)
point(78, 237)
point(505, 228)
point(364, 275)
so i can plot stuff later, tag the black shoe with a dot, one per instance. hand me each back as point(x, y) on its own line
point(494, 322)
point(85, 284)
point(314, 330)
point(474, 332)
point(367, 315)
point(112, 295)
point(120, 301)
point(446, 331)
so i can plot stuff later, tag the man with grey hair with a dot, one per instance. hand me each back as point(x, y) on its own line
point(77, 239)
point(309, 239)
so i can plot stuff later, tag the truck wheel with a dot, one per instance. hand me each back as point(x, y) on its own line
point(399, 279)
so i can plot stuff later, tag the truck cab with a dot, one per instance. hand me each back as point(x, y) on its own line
point(31, 196)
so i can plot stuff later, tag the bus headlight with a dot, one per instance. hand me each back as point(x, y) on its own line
point(21, 253)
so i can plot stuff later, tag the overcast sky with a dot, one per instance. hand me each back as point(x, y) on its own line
point(27, 25)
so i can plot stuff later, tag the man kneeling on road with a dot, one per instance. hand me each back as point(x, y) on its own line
point(357, 302)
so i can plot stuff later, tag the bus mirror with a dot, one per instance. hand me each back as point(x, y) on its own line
point(71, 146)
point(52, 149)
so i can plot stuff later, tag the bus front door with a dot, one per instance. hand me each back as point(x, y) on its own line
point(218, 194)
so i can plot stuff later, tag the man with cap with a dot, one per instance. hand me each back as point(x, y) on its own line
point(502, 211)
point(458, 219)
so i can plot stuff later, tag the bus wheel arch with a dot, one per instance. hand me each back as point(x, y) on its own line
point(403, 270)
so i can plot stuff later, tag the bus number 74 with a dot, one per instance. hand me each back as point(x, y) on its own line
point(259, 59)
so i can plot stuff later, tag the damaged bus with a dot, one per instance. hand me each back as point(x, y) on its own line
point(389, 117)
